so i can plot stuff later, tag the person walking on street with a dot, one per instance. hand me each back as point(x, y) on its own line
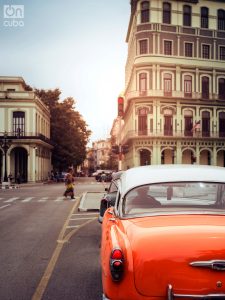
point(69, 182)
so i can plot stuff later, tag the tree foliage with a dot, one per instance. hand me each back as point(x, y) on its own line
point(69, 131)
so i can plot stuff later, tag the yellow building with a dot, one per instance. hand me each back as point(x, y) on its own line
point(174, 99)
point(25, 146)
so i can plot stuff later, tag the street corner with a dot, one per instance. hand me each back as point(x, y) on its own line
point(90, 201)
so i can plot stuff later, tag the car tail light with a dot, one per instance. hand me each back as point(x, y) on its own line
point(116, 264)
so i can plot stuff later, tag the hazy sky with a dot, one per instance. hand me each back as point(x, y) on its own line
point(76, 46)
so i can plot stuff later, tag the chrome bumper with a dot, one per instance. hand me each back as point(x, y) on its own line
point(172, 296)
point(104, 297)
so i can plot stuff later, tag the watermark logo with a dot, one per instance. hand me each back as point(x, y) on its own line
point(13, 15)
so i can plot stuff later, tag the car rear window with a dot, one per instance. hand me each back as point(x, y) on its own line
point(179, 196)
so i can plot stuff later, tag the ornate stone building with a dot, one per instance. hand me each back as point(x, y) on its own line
point(25, 146)
point(174, 99)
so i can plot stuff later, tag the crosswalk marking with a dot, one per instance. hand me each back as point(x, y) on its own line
point(58, 199)
point(28, 199)
point(1, 207)
point(11, 199)
point(43, 199)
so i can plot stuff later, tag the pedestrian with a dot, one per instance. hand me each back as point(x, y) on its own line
point(69, 182)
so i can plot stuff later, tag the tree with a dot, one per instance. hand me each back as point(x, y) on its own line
point(69, 131)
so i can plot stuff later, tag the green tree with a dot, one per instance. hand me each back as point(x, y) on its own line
point(69, 131)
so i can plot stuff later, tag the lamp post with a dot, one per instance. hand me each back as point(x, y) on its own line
point(5, 144)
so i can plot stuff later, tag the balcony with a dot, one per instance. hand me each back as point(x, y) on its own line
point(178, 134)
point(34, 136)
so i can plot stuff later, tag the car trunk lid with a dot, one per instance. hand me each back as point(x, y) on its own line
point(164, 246)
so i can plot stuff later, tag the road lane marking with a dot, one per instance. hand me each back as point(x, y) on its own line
point(28, 199)
point(86, 214)
point(73, 226)
point(1, 207)
point(81, 219)
point(51, 265)
point(11, 199)
point(43, 199)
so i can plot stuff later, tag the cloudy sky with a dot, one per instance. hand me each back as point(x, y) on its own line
point(76, 46)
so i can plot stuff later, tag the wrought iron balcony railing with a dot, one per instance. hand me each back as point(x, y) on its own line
point(25, 136)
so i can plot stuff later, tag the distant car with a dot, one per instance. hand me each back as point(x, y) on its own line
point(164, 238)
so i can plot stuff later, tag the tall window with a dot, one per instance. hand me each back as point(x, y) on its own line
point(205, 123)
point(222, 124)
point(187, 86)
point(204, 17)
point(145, 12)
point(18, 123)
point(166, 13)
point(168, 47)
point(143, 44)
point(168, 122)
point(221, 19)
point(187, 15)
point(142, 121)
point(167, 85)
point(188, 50)
point(222, 53)
point(143, 82)
point(206, 51)
point(205, 87)
point(222, 88)
point(188, 123)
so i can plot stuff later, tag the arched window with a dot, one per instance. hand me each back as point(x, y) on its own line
point(18, 123)
point(222, 88)
point(145, 12)
point(221, 19)
point(187, 15)
point(167, 84)
point(205, 87)
point(204, 17)
point(166, 13)
point(187, 86)
point(142, 82)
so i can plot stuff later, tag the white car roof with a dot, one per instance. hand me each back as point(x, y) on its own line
point(170, 173)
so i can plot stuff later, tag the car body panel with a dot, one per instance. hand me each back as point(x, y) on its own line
point(164, 250)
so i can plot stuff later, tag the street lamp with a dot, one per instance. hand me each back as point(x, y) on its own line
point(5, 144)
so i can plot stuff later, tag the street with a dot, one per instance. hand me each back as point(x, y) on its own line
point(49, 249)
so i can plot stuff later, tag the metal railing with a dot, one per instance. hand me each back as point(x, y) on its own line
point(172, 133)
point(25, 136)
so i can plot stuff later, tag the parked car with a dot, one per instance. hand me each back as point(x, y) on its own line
point(109, 198)
point(164, 238)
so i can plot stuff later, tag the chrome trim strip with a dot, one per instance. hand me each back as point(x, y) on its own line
point(172, 296)
point(218, 265)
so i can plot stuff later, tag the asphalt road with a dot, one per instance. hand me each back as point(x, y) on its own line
point(48, 249)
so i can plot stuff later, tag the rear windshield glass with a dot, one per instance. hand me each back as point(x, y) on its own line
point(179, 196)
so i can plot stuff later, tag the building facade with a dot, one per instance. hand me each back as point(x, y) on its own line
point(101, 150)
point(174, 99)
point(25, 145)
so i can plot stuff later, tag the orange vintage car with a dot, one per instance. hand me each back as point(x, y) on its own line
point(165, 236)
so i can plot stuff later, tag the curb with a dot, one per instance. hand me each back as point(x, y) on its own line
point(8, 187)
